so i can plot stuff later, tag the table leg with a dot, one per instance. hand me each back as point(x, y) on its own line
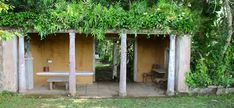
point(66, 85)
point(51, 85)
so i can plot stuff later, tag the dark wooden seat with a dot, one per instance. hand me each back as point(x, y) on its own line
point(157, 74)
point(150, 74)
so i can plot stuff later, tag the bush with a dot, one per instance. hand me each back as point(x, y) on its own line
point(207, 72)
point(200, 77)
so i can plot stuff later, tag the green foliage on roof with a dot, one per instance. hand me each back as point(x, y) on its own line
point(95, 18)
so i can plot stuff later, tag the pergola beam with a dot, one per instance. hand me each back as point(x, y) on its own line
point(72, 60)
point(123, 66)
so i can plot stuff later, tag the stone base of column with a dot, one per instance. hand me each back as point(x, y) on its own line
point(72, 94)
point(22, 91)
point(170, 93)
point(122, 94)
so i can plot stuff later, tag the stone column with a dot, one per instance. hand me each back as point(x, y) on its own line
point(28, 66)
point(135, 61)
point(171, 69)
point(22, 74)
point(94, 61)
point(72, 60)
point(183, 53)
point(115, 57)
point(123, 66)
point(1, 66)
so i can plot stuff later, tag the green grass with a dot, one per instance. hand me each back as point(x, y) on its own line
point(100, 65)
point(19, 101)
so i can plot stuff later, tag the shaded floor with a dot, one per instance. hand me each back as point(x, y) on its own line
point(103, 74)
point(111, 89)
point(105, 89)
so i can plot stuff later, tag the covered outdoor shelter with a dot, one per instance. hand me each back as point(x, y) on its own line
point(58, 46)
point(73, 54)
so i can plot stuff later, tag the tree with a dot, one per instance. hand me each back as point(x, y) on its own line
point(4, 7)
point(213, 43)
point(5, 35)
point(229, 16)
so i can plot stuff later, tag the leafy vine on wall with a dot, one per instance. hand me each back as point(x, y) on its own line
point(96, 19)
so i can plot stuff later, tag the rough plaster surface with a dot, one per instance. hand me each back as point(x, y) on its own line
point(8, 66)
point(1, 68)
point(183, 49)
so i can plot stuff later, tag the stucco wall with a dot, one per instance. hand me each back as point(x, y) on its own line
point(1, 67)
point(150, 51)
point(8, 66)
point(183, 54)
point(56, 48)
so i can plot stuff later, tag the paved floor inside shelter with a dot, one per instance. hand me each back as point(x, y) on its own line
point(104, 89)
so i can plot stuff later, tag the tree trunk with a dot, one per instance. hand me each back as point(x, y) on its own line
point(229, 21)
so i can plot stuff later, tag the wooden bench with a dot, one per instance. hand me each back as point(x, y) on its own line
point(53, 80)
point(61, 76)
point(157, 74)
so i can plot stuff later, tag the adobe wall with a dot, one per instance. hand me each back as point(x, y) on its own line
point(56, 48)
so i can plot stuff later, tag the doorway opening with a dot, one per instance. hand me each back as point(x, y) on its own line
point(107, 59)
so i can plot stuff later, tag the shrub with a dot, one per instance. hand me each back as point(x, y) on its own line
point(200, 77)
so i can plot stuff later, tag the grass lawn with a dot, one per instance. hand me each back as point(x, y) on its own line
point(100, 65)
point(19, 101)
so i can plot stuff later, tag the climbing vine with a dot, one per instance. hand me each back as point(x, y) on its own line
point(95, 18)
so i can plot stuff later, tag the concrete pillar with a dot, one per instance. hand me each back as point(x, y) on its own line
point(135, 61)
point(1, 66)
point(115, 59)
point(123, 66)
point(28, 66)
point(183, 53)
point(22, 74)
point(72, 60)
point(171, 69)
point(29, 72)
point(94, 61)
point(9, 68)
